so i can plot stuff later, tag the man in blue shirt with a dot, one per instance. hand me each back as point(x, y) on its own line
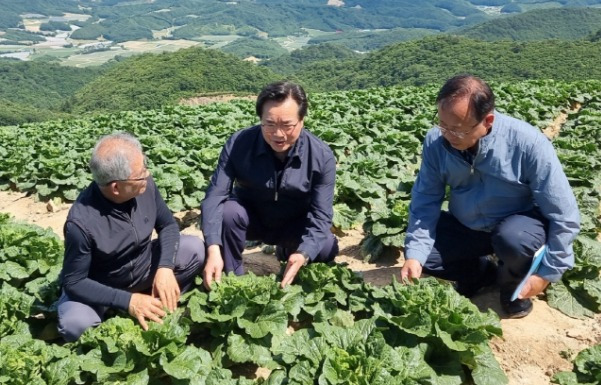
point(274, 182)
point(508, 195)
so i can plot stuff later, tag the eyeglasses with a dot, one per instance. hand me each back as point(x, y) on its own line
point(457, 134)
point(146, 175)
point(273, 127)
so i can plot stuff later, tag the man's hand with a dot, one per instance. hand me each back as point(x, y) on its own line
point(213, 266)
point(411, 269)
point(144, 307)
point(533, 286)
point(165, 287)
point(295, 262)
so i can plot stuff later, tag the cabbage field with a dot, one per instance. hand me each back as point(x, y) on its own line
point(328, 328)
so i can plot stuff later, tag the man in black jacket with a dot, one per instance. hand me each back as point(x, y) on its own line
point(274, 182)
point(110, 260)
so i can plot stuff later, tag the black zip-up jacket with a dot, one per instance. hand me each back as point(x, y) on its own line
point(303, 190)
point(108, 245)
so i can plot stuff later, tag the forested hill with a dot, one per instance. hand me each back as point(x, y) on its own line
point(556, 23)
point(293, 62)
point(31, 91)
point(151, 81)
point(41, 84)
point(434, 59)
point(11, 11)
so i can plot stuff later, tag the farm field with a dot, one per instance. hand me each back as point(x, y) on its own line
point(127, 49)
point(530, 349)
point(376, 136)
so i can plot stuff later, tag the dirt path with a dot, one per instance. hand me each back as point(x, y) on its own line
point(530, 351)
point(553, 130)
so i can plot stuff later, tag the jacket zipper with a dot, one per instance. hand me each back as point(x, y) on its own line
point(275, 184)
point(129, 217)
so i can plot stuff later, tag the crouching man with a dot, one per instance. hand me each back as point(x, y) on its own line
point(110, 260)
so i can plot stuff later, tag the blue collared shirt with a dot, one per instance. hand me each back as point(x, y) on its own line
point(514, 169)
point(303, 190)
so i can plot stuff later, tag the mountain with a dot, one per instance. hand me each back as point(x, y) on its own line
point(370, 40)
point(434, 59)
point(31, 91)
point(151, 81)
point(190, 19)
point(555, 23)
point(246, 47)
point(294, 61)
point(12, 11)
point(125, 27)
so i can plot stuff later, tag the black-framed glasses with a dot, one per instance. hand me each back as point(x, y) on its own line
point(273, 127)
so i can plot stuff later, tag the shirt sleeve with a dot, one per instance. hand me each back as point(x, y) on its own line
point(554, 197)
point(168, 232)
point(218, 192)
point(76, 267)
point(427, 195)
point(321, 211)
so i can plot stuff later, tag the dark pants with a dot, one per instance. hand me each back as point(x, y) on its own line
point(240, 225)
point(459, 252)
point(75, 317)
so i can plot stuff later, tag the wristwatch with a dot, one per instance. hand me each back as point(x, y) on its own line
point(304, 254)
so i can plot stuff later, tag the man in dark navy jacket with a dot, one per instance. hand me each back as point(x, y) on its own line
point(110, 259)
point(274, 182)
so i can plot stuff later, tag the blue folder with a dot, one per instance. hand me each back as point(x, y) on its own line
point(538, 257)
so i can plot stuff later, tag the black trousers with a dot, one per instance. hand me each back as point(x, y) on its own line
point(459, 252)
point(239, 225)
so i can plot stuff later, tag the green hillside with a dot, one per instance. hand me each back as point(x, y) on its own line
point(361, 25)
point(252, 46)
point(29, 91)
point(151, 81)
point(434, 59)
point(277, 18)
point(556, 23)
point(369, 40)
point(12, 113)
point(34, 91)
point(294, 61)
point(126, 20)
point(11, 10)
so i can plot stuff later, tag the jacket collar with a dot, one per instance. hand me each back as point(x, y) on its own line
point(106, 206)
point(487, 141)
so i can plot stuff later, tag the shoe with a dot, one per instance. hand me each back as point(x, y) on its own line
point(519, 308)
point(485, 276)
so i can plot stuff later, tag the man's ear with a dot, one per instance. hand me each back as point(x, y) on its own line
point(113, 188)
point(489, 119)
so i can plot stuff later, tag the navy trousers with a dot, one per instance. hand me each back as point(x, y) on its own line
point(75, 317)
point(459, 253)
point(240, 225)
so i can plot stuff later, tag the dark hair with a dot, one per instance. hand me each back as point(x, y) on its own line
point(281, 91)
point(481, 97)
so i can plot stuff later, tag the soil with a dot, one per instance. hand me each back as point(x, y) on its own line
point(202, 100)
point(531, 351)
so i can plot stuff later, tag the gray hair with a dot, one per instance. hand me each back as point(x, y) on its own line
point(111, 157)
